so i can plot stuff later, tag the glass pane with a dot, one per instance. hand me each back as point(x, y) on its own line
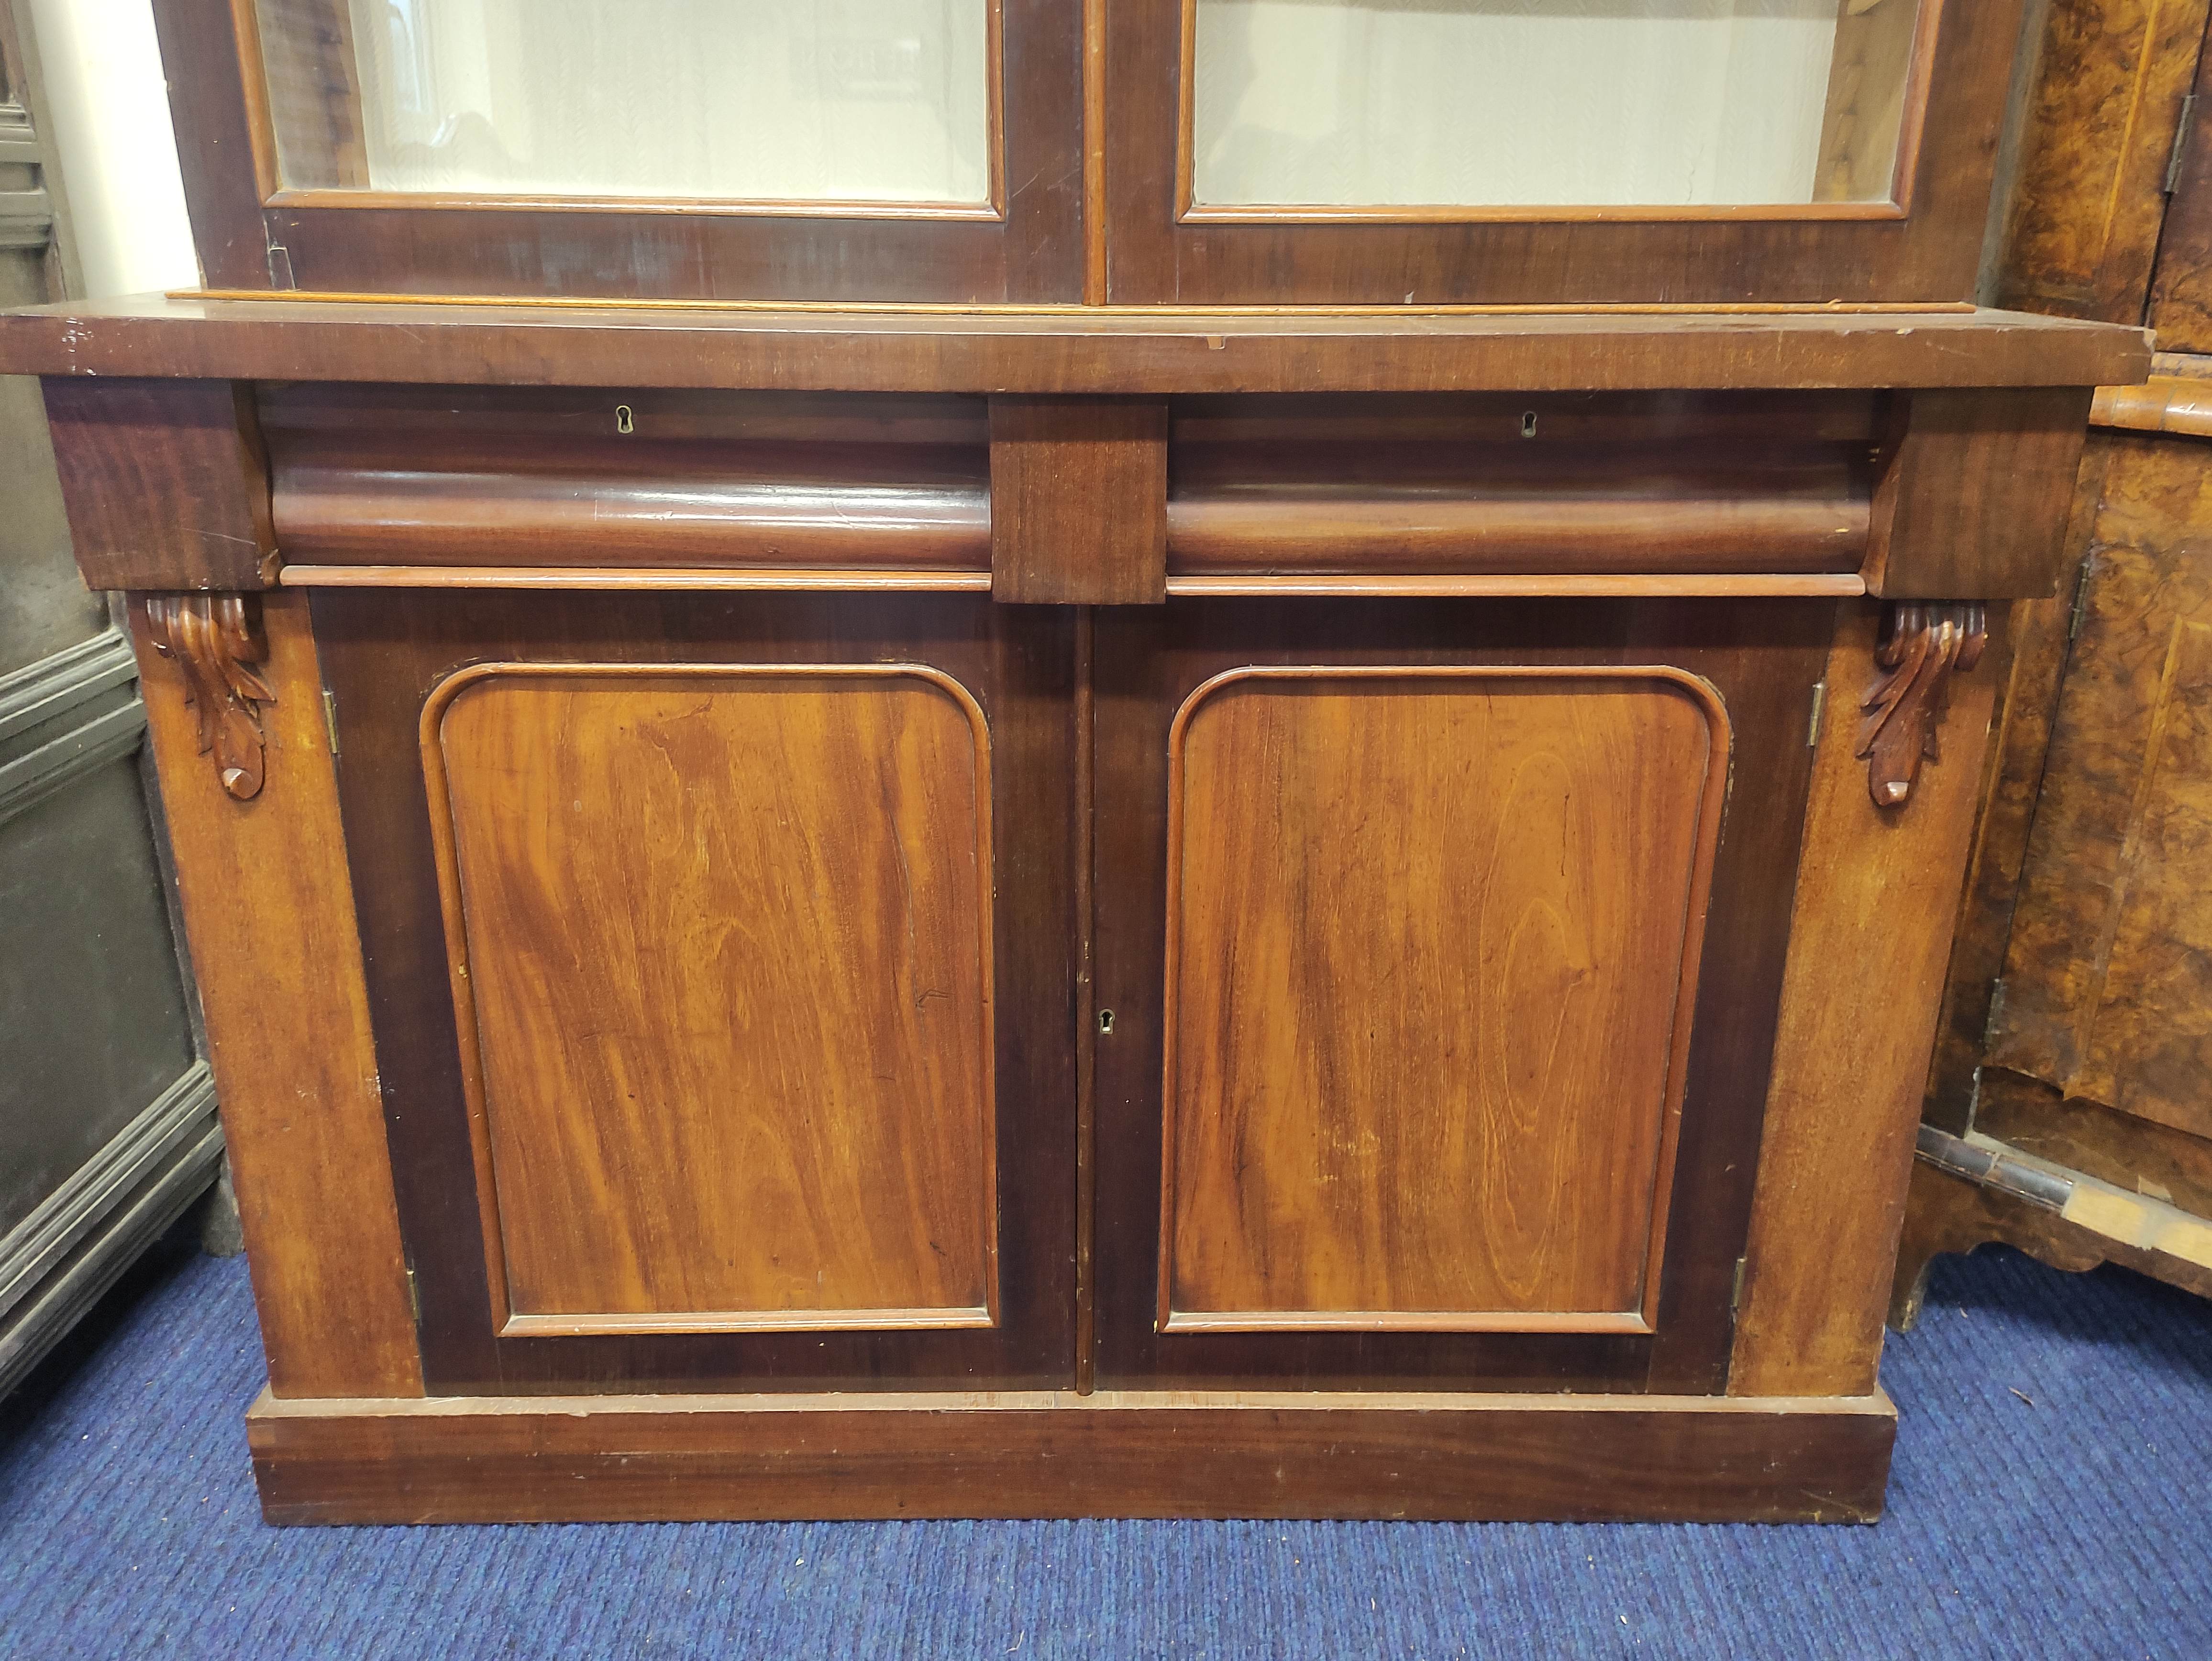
point(846, 100)
point(1645, 103)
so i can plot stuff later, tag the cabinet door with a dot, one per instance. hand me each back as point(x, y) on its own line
point(718, 952)
point(1335, 151)
point(797, 149)
point(1438, 953)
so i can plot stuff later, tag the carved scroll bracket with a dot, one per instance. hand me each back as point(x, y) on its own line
point(1922, 643)
point(216, 639)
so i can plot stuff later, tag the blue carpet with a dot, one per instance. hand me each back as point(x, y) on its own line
point(2053, 1496)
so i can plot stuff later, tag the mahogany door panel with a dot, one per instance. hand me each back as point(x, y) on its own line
point(1432, 935)
point(718, 936)
point(1416, 1068)
point(719, 952)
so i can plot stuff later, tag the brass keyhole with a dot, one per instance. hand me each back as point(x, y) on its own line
point(624, 422)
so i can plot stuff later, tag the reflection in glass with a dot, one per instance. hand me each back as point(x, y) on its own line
point(1547, 102)
point(856, 101)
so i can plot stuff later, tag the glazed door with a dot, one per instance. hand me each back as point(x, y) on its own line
point(718, 950)
point(1438, 949)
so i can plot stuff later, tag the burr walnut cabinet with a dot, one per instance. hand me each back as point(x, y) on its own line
point(961, 759)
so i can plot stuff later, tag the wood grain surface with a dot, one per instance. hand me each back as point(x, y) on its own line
point(1125, 351)
point(694, 800)
point(2137, 1154)
point(165, 482)
point(1323, 501)
point(1078, 501)
point(1974, 497)
point(268, 913)
point(1876, 103)
point(725, 991)
point(1871, 925)
point(2180, 307)
point(1118, 1454)
point(1432, 947)
point(1763, 656)
point(2087, 197)
point(2105, 990)
point(620, 477)
point(2031, 662)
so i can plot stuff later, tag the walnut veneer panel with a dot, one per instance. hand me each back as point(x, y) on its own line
point(1432, 943)
point(725, 935)
point(2106, 983)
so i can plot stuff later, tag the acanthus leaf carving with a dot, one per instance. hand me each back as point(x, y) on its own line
point(216, 639)
point(1922, 644)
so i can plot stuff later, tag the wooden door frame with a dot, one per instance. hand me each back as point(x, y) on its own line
point(1924, 247)
point(1765, 656)
point(254, 234)
point(1017, 661)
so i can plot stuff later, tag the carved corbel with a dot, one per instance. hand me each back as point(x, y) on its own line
point(1921, 644)
point(216, 639)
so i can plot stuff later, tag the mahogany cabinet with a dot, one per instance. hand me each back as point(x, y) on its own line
point(815, 902)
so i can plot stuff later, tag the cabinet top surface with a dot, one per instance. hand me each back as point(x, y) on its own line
point(1062, 350)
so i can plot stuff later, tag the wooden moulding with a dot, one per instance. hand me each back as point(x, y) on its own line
point(1057, 1454)
point(1078, 501)
point(2177, 399)
point(165, 482)
point(1975, 492)
point(1265, 1225)
point(1326, 505)
point(438, 476)
point(1870, 933)
point(1106, 352)
point(269, 913)
point(929, 1259)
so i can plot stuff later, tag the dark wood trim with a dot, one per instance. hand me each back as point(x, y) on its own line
point(251, 233)
point(1524, 1458)
point(1079, 501)
point(1763, 656)
point(1162, 254)
point(1058, 352)
point(382, 653)
point(1974, 493)
point(165, 482)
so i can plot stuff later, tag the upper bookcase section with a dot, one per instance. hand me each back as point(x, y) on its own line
point(1136, 152)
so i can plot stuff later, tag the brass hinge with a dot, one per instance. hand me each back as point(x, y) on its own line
point(1735, 1289)
point(331, 717)
point(1820, 707)
point(1997, 1012)
point(414, 1296)
point(2180, 143)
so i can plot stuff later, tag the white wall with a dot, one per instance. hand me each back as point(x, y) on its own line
point(118, 153)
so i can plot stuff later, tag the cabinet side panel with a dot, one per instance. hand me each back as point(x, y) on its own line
point(269, 911)
point(1870, 931)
